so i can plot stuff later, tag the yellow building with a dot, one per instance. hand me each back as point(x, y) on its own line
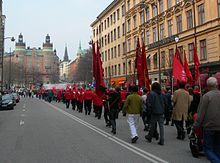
point(163, 20)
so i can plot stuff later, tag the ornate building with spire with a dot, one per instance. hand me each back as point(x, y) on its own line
point(63, 67)
point(35, 65)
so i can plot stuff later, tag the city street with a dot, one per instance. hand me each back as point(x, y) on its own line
point(40, 132)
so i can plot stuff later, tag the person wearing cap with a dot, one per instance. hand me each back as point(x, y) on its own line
point(208, 117)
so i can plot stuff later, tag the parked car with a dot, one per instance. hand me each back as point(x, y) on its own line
point(7, 102)
point(16, 97)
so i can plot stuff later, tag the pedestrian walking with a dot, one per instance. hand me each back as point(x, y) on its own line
point(208, 118)
point(181, 104)
point(133, 107)
point(156, 106)
point(114, 99)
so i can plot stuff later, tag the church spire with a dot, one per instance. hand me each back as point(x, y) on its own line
point(66, 57)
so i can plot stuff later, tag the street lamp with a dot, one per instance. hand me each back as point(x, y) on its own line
point(2, 27)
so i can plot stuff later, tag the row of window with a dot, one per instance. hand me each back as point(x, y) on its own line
point(115, 70)
point(116, 33)
point(116, 15)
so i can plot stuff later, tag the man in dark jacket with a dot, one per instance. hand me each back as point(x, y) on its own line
point(114, 99)
point(156, 105)
point(209, 119)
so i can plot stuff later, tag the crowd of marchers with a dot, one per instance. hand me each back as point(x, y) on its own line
point(193, 113)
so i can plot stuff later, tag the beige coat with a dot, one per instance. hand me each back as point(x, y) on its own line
point(181, 102)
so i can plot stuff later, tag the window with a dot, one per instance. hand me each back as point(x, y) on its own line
point(163, 59)
point(191, 51)
point(155, 61)
point(112, 53)
point(154, 7)
point(171, 54)
point(108, 38)
point(128, 4)
point(102, 26)
point(119, 69)
point(129, 25)
point(111, 36)
point(142, 17)
point(161, 31)
point(203, 52)
point(124, 48)
point(201, 14)
point(106, 72)
point(114, 34)
point(129, 66)
point(129, 45)
point(189, 19)
point(123, 29)
point(147, 13)
point(111, 21)
point(123, 10)
point(170, 27)
point(169, 4)
point(118, 14)
point(107, 22)
point(179, 23)
point(118, 31)
point(161, 5)
point(112, 73)
point(135, 42)
point(119, 50)
point(94, 33)
point(102, 57)
point(135, 21)
point(148, 63)
point(148, 37)
point(218, 8)
point(109, 71)
point(106, 55)
point(105, 40)
point(114, 17)
point(123, 68)
point(142, 37)
point(154, 34)
point(102, 44)
point(115, 52)
point(115, 70)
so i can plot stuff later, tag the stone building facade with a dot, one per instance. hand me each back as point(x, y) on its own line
point(191, 21)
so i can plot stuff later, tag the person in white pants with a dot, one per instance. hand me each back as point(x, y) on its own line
point(133, 107)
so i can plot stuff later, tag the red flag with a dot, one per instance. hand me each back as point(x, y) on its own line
point(178, 69)
point(138, 65)
point(145, 68)
point(94, 60)
point(196, 64)
point(186, 68)
point(100, 85)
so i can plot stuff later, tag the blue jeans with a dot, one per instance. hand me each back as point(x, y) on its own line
point(212, 145)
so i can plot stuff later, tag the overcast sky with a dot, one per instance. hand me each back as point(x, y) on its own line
point(67, 22)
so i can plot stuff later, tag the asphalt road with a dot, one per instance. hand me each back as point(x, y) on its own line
point(39, 132)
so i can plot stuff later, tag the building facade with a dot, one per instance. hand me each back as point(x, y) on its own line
point(159, 23)
point(35, 65)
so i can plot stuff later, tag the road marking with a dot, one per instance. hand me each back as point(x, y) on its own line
point(21, 122)
point(140, 152)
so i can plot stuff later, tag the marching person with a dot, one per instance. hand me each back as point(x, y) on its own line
point(156, 106)
point(144, 108)
point(73, 98)
point(208, 118)
point(97, 104)
point(88, 101)
point(181, 104)
point(133, 107)
point(67, 96)
point(114, 99)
